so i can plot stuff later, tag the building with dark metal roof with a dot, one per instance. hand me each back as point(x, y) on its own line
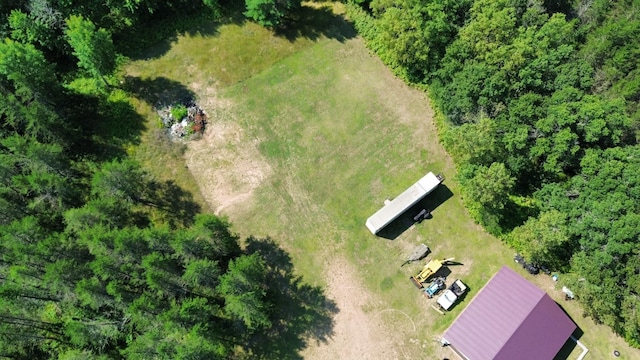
point(509, 319)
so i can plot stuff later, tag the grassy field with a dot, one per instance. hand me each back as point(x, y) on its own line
point(316, 133)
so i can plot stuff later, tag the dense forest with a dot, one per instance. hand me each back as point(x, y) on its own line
point(99, 259)
point(538, 105)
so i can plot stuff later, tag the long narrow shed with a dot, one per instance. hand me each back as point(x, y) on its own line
point(394, 208)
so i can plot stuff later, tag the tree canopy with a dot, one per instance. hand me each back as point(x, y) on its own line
point(539, 108)
point(270, 13)
point(99, 259)
point(93, 47)
point(538, 105)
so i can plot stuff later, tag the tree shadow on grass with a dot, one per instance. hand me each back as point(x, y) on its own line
point(173, 205)
point(159, 90)
point(176, 206)
point(113, 125)
point(312, 22)
point(403, 222)
point(301, 313)
point(154, 38)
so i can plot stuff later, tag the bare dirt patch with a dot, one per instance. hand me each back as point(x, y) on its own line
point(208, 96)
point(358, 334)
point(226, 164)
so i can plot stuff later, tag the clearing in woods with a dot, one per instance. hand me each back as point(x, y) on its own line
point(308, 134)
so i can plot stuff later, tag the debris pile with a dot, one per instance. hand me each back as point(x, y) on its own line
point(182, 119)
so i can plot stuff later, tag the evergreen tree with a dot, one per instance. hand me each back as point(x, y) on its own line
point(93, 47)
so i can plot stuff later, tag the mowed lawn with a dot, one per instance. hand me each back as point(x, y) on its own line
point(333, 134)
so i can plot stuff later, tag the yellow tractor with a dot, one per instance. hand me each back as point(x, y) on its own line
point(427, 271)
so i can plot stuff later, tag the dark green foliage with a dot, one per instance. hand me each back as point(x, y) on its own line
point(35, 180)
point(486, 191)
point(575, 122)
point(114, 284)
point(410, 36)
point(544, 240)
point(600, 207)
point(98, 259)
point(178, 112)
point(38, 29)
point(93, 47)
point(27, 69)
point(413, 35)
point(123, 180)
point(270, 13)
point(243, 288)
point(537, 98)
point(473, 143)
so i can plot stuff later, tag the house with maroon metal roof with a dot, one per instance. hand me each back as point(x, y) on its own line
point(510, 318)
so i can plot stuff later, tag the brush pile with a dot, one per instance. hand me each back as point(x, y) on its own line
point(182, 119)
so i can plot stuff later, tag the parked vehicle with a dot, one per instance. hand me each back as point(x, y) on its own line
point(452, 295)
point(436, 285)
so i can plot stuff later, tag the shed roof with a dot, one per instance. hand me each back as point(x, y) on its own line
point(510, 318)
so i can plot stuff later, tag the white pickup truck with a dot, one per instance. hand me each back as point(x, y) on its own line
point(452, 294)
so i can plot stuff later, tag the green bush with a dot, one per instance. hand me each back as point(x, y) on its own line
point(179, 112)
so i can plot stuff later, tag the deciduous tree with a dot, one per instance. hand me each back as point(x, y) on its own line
point(270, 13)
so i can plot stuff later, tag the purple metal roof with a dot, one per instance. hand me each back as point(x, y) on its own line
point(510, 318)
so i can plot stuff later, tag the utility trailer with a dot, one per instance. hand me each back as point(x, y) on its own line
point(396, 207)
point(451, 295)
point(419, 253)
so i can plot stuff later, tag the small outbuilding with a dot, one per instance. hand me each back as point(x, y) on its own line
point(510, 318)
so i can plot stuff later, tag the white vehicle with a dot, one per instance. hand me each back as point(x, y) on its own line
point(452, 294)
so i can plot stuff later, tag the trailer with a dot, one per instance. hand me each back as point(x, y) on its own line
point(418, 253)
point(452, 295)
point(396, 207)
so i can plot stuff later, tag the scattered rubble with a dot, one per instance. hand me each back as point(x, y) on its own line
point(182, 119)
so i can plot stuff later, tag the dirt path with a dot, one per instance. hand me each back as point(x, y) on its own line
point(357, 334)
point(228, 168)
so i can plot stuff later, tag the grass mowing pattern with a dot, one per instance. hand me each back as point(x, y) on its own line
point(197, 61)
point(341, 135)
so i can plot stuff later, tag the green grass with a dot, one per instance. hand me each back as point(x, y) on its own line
point(341, 134)
point(199, 62)
point(237, 53)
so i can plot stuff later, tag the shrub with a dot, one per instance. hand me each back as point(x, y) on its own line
point(179, 112)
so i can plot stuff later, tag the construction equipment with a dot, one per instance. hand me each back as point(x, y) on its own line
point(436, 285)
point(451, 296)
point(427, 271)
